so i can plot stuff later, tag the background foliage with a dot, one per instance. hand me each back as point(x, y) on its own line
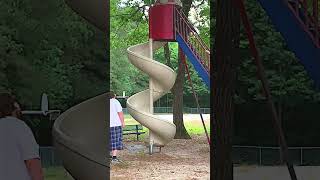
point(46, 47)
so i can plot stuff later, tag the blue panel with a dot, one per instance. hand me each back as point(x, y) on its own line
point(194, 61)
point(296, 38)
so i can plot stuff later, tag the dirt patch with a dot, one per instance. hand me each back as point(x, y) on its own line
point(180, 159)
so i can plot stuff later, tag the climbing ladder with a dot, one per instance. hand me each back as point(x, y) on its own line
point(184, 28)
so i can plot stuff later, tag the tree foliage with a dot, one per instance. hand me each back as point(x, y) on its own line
point(46, 47)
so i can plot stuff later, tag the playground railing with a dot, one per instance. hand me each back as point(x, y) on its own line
point(184, 28)
point(307, 14)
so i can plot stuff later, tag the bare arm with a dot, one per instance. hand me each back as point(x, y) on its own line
point(34, 169)
point(121, 116)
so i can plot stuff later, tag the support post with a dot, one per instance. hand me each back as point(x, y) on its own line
point(150, 97)
point(301, 157)
point(150, 80)
point(260, 156)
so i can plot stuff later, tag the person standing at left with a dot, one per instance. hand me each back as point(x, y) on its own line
point(116, 125)
point(19, 151)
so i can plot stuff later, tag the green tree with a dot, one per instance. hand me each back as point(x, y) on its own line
point(47, 53)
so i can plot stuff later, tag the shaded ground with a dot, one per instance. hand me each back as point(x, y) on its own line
point(275, 173)
point(180, 159)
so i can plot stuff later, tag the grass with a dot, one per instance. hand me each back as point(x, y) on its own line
point(196, 129)
point(192, 127)
point(56, 173)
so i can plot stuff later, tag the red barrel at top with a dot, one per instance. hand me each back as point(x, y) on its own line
point(161, 22)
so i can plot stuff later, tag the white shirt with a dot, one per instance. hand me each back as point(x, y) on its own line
point(17, 144)
point(115, 107)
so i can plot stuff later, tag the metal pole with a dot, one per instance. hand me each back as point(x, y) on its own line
point(52, 157)
point(150, 97)
point(315, 15)
point(183, 59)
point(265, 86)
point(260, 156)
point(167, 101)
point(150, 80)
point(301, 154)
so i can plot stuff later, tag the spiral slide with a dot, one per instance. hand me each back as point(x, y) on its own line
point(80, 134)
point(80, 139)
point(163, 77)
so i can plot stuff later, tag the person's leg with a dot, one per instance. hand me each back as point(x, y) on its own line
point(118, 141)
point(114, 152)
point(117, 133)
point(113, 143)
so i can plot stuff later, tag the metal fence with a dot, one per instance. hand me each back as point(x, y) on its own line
point(186, 110)
point(259, 155)
point(48, 157)
point(253, 155)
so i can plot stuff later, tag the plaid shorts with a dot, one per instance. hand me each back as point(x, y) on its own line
point(116, 138)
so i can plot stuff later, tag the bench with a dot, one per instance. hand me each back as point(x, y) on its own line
point(133, 129)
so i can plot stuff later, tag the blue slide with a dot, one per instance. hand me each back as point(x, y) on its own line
point(295, 35)
point(205, 76)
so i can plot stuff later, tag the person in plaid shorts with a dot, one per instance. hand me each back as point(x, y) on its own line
point(116, 125)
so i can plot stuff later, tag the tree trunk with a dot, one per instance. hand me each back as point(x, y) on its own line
point(181, 132)
point(177, 90)
point(224, 76)
point(167, 55)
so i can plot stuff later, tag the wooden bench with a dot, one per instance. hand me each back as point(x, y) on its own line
point(133, 129)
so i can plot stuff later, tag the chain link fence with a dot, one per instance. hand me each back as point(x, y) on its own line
point(169, 110)
point(48, 157)
point(258, 155)
point(250, 155)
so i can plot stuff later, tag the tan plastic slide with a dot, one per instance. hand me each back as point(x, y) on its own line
point(80, 133)
point(80, 139)
point(94, 11)
point(163, 77)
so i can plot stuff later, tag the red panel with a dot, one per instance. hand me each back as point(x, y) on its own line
point(161, 22)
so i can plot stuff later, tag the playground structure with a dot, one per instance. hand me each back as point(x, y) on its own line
point(297, 21)
point(162, 79)
point(80, 139)
point(167, 22)
point(80, 133)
